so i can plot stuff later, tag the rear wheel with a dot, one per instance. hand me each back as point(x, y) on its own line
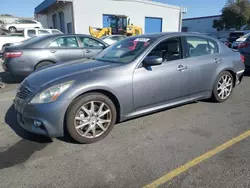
point(12, 30)
point(43, 64)
point(91, 118)
point(223, 87)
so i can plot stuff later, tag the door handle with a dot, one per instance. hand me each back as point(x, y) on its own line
point(88, 51)
point(53, 51)
point(217, 60)
point(181, 68)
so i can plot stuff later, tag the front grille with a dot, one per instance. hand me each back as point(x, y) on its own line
point(24, 91)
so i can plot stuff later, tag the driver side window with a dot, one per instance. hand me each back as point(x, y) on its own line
point(169, 50)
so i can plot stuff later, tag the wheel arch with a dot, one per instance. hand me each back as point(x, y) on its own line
point(44, 60)
point(105, 92)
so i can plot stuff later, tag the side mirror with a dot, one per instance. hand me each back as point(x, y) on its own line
point(152, 61)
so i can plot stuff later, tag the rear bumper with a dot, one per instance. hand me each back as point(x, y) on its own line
point(247, 59)
point(16, 67)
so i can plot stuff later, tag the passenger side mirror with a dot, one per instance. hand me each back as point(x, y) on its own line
point(152, 61)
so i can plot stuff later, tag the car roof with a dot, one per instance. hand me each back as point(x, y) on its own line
point(166, 34)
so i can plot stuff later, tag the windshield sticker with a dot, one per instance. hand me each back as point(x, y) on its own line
point(142, 39)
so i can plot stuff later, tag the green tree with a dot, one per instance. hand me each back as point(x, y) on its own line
point(235, 14)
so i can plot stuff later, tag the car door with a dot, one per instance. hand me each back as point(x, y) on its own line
point(203, 58)
point(65, 48)
point(19, 25)
point(90, 46)
point(164, 83)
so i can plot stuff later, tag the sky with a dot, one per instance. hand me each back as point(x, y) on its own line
point(195, 8)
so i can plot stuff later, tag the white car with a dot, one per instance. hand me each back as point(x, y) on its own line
point(20, 25)
point(111, 39)
point(10, 40)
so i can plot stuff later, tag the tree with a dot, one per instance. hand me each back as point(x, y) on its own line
point(235, 14)
point(6, 15)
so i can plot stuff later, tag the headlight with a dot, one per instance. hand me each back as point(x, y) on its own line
point(52, 93)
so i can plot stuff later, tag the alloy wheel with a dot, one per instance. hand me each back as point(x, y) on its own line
point(93, 119)
point(225, 86)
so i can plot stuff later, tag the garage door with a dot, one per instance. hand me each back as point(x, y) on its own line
point(153, 25)
point(105, 20)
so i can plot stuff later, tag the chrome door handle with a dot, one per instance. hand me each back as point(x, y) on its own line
point(88, 51)
point(53, 51)
point(216, 60)
point(181, 68)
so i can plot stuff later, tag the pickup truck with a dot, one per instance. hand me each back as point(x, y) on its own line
point(15, 39)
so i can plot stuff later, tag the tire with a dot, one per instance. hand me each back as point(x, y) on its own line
point(12, 30)
point(221, 95)
point(43, 64)
point(85, 134)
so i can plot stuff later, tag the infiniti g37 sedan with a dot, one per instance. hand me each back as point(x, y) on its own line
point(134, 77)
point(38, 52)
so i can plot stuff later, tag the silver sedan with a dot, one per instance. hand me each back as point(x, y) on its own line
point(133, 77)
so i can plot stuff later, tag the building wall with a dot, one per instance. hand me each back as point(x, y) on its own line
point(90, 13)
point(203, 25)
point(43, 19)
point(200, 25)
point(47, 20)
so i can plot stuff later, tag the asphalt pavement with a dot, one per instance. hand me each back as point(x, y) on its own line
point(137, 152)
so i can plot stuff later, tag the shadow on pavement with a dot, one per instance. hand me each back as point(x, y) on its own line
point(19, 153)
point(9, 79)
point(11, 120)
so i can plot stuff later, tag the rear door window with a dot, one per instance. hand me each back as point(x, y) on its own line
point(90, 43)
point(31, 33)
point(198, 46)
point(65, 42)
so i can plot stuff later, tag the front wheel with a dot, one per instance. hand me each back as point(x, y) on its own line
point(223, 87)
point(12, 30)
point(90, 118)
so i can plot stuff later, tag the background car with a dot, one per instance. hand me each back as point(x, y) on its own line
point(236, 43)
point(20, 25)
point(111, 39)
point(41, 51)
point(233, 36)
point(244, 49)
point(133, 77)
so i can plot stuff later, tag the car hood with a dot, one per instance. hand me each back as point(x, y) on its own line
point(67, 70)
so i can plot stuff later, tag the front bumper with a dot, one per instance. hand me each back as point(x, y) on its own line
point(51, 116)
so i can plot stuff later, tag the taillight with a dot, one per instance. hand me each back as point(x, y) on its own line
point(12, 54)
point(243, 45)
point(242, 57)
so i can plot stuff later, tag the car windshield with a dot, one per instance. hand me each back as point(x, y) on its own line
point(125, 51)
point(34, 39)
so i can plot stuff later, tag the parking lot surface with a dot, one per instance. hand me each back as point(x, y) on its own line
point(137, 152)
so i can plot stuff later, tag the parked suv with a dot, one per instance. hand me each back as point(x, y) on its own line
point(20, 25)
